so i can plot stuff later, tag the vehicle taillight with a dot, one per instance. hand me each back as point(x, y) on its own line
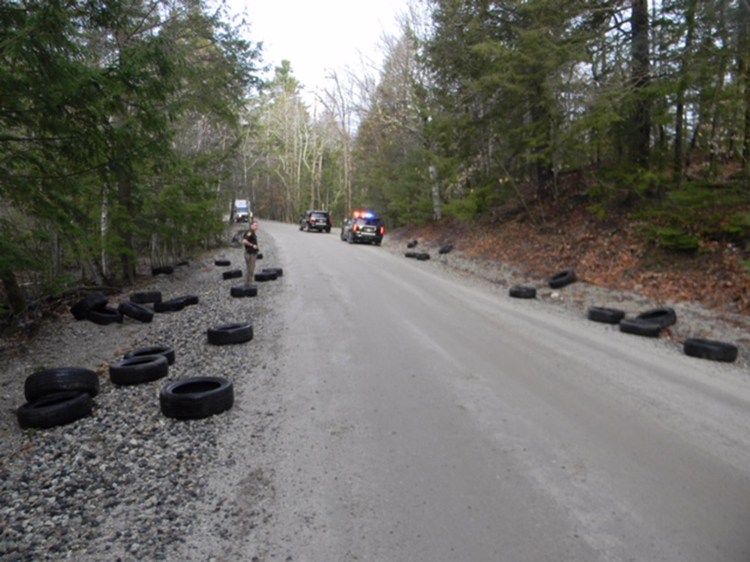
point(382, 230)
point(355, 228)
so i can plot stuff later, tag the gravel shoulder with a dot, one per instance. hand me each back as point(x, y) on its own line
point(128, 483)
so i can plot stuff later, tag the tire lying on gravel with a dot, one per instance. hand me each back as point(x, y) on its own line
point(190, 300)
point(222, 263)
point(135, 311)
point(277, 270)
point(137, 370)
point(640, 327)
point(89, 302)
point(423, 256)
point(522, 292)
point(232, 274)
point(59, 408)
point(172, 305)
point(145, 297)
point(104, 316)
point(410, 254)
point(164, 350)
point(266, 276)
point(445, 249)
point(228, 334)
point(710, 349)
point(60, 379)
point(244, 291)
point(563, 278)
point(664, 316)
point(605, 315)
point(162, 270)
point(196, 398)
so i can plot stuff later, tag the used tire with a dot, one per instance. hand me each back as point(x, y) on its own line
point(445, 249)
point(162, 270)
point(222, 263)
point(60, 379)
point(244, 291)
point(196, 398)
point(710, 349)
point(277, 270)
point(190, 300)
point(522, 292)
point(605, 315)
point(424, 256)
point(563, 278)
point(139, 369)
point(228, 334)
point(232, 274)
point(164, 350)
point(640, 327)
point(55, 409)
point(135, 311)
point(104, 316)
point(145, 297)
point(89, 302)
point(265, 276)
point(172, 305)
point(410, 254)
point(664, 316)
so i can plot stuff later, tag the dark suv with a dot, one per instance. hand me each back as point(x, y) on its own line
point(364, 226)
point(316, 220)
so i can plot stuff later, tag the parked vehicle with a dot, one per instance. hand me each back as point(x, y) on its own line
point(365, 227)
point(241, 211)
point(316, 220)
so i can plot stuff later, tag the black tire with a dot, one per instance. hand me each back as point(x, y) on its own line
point(265, 276)
point(104, 316)
point(196, 398)
point(412, 244)
point(222, 263)
point(232, 274)
point(259, 256)
point(145, 297)
point(640, 327)
point(424, 256)
point(90, 302)
point(244, 291)
point(563, 278)
point(663, 316)
point(410, 254)
point(522, 292)
point(59, 408)
point(228, 334)
point(277, 270)
point(710, 349)
point(162, 270)
point(60, 379)
point(139, 369)
point(190, 300)
point(447, 248)
point(172, 305)
point(605, 315)
point(135, 311)
point(164, 350)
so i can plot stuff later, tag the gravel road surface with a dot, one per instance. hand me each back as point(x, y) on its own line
point(388, 409)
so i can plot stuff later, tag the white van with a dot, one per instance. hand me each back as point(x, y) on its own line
point(241, 210)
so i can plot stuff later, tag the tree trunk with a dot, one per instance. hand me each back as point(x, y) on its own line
point(640, 76)
point(679, 157)
point(16, 300)
point(437, 210)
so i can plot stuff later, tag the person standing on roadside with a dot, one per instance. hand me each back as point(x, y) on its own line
point(250, 242)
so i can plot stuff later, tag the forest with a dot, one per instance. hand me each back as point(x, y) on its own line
point(127, 127)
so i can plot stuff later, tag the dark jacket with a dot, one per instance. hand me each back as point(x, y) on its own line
point(251, 236)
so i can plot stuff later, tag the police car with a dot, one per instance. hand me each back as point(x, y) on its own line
point(365, 227)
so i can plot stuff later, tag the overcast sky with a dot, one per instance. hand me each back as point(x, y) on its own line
point(319, 35)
